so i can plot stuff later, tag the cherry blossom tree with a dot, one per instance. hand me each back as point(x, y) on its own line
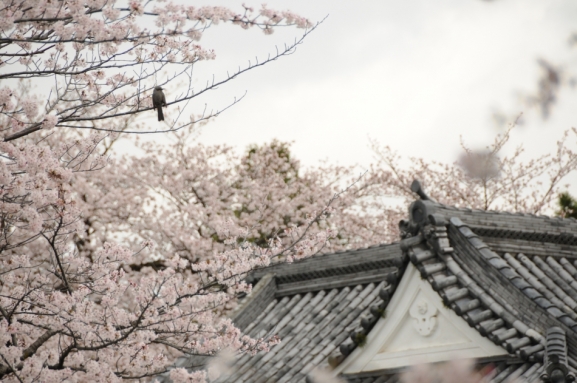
point(102, 59)
point(68, 313)
point(486, 180)
point(181, 194)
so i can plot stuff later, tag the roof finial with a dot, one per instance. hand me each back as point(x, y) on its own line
point(417, 188)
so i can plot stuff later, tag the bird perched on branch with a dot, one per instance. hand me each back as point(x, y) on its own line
point(158, 101)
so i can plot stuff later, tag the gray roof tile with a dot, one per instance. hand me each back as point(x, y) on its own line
point(511, 276)
point(311, 326)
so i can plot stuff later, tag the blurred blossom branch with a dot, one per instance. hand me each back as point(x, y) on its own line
point(487, 179)
point(454, 371)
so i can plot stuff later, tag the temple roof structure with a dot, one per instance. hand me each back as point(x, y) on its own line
point(494, 286)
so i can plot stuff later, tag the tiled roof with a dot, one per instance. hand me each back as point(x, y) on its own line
point(512, 277)
point(485, 301)
point(513, 229)
point(311, 326)
point(314, 306)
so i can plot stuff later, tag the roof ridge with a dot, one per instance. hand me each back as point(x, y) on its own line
point(503, 212)
point(344, 263)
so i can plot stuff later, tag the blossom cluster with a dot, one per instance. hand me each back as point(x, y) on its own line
point(76, 306)
point(88, 291)
point(99, 55)
point(487, 179)
point(198, 201)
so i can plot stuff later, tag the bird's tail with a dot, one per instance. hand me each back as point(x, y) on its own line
point(160, 114)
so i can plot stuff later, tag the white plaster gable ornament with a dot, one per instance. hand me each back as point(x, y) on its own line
point(424, 317)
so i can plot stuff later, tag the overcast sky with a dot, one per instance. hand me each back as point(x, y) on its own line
point(415, 75)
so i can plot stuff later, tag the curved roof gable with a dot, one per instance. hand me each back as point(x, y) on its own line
point(511, 277)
